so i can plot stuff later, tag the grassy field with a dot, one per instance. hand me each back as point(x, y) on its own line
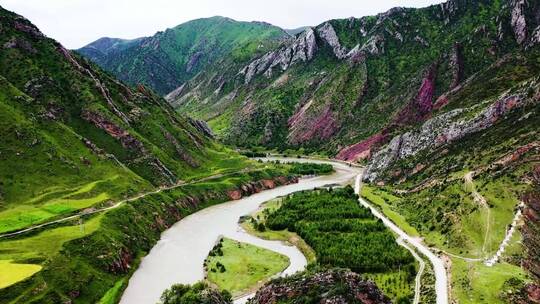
point(13, 272)
point(474, 282)
point(243, 267)
point(380, 199)
point(282, 235)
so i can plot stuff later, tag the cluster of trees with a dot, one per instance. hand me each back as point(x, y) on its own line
point(342, 233)
point(311, 169)
point(199, 293)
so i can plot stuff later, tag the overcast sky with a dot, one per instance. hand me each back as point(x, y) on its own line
point(76, 23)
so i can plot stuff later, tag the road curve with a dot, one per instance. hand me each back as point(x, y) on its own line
point(441, 280)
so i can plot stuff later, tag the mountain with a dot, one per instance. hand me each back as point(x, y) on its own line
point(442, 105)
point(167, 59)
point(349, 83)
point(99, 50)
point(67, 122)
point(92, 171)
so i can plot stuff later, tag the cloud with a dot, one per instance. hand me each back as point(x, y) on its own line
point(77, 22)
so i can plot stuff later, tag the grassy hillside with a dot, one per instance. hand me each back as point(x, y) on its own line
point(169, 58)
point(77, 142)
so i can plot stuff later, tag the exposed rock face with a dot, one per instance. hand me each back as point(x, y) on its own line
point(328, 34)
point(258, 186)
point(126, 139)
point(518, 21)
point(302, 49)
point(172, 96)
point(193, 61)
point(531, 236)
point(448, 10)
point(20, 44)
point(303, 127)
point(441, 130)
point(203, 127)
point(531, 227)
point(361, 150)
point(456, 63)
point(315, 288)
point(182, 153)
point(421, 105)
point(374, 46)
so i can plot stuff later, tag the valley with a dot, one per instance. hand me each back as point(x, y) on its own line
point(388, 158)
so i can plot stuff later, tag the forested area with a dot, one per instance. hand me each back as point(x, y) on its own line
point(341, 232)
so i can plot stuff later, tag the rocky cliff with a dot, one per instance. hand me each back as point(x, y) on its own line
point(332, 286)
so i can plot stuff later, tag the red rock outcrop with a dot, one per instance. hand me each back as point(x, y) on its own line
point(361, 150)
point(258, 186)
point(305, 126)
point(421, 106)
point(126, 139)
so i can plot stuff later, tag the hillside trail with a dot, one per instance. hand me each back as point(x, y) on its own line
point(482, 202)
point(119, 203)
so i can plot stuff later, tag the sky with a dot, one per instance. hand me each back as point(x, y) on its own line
point(76, 23)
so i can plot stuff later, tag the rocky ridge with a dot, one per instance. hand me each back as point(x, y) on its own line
point(450, 127)
point(336, 286)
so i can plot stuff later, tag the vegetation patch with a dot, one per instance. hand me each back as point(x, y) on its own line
point(239, 267)
point(13, 272)
point(344, 234)
point(255, 224)
point(474, 282)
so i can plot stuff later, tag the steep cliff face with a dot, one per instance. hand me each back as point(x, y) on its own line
point(344, 83)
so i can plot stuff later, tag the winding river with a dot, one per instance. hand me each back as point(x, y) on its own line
point(179, 255)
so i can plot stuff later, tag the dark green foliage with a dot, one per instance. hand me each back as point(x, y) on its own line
point(341, 232)
point(311, 169)
point(199, 293)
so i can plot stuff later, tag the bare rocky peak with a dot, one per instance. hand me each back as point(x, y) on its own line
point(518, 21)
point(328, 34)
point(302, 49)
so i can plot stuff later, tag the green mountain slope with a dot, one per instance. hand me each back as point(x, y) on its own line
point(68, 128)
point(107, 167)
point(166, 60)
point(348, 85)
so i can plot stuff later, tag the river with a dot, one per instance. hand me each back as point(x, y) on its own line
point(179, 255)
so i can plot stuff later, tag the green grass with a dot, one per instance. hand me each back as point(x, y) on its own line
point(47, 243)
point(25, 215)
point(380, 198)
point(13, 272)
point(475, 283)
point(112, 295)
point(395, 285)
point(246, 266)
point(277, 235)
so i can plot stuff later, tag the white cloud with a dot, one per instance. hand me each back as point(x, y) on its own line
point(78, 22)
